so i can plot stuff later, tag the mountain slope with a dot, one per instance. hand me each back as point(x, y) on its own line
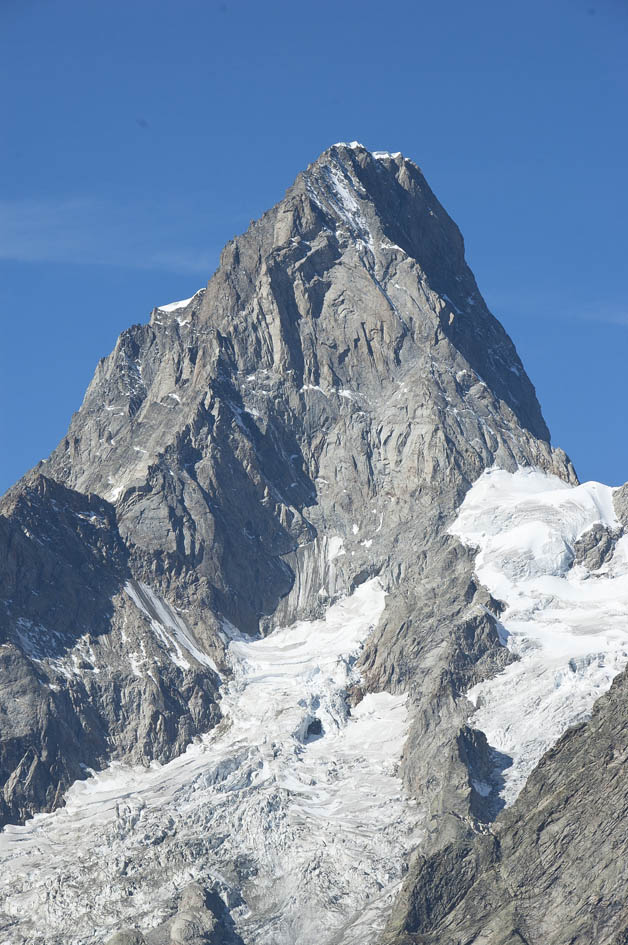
point(553, 870)
point(549, 870)
point(307, 424)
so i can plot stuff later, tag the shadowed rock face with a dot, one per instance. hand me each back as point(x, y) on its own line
point(71, 692)
point(312, 418)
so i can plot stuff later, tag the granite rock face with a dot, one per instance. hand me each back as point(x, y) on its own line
point(311, 419)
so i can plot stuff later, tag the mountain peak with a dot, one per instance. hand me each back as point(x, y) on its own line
point(346, 178)
point(249, 518)
point(358, 146)
point(373, 217)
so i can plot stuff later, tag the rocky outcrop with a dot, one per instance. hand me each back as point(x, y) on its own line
point(201, 918)
point(596, 547)
point(620, 499)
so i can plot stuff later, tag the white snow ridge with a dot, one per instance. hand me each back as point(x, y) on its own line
point(293, 799)
point(567, 625)
point(183, 303)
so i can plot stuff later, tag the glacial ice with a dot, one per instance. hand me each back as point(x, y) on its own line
point(308, 821)
point(567, 626)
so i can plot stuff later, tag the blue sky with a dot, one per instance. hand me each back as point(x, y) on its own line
point(138, 137)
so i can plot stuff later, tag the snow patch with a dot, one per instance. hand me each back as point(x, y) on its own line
point(348, 207)
point(175, 306)
point(333, 188)
point(167, 626)
point(335, 547)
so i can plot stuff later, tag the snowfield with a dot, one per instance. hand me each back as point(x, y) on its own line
point(567, 625)
point(294, 798)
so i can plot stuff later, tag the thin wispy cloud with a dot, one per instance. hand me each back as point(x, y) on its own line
point(556, 306)
point(83, 230)
point(610, 317)
point(179, 260)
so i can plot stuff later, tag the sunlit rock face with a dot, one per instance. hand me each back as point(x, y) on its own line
point(244, 589)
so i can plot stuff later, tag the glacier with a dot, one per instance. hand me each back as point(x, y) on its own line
point(565, 624)
point(291, 808)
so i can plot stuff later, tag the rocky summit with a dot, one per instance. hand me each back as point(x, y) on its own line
point(308, 635)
